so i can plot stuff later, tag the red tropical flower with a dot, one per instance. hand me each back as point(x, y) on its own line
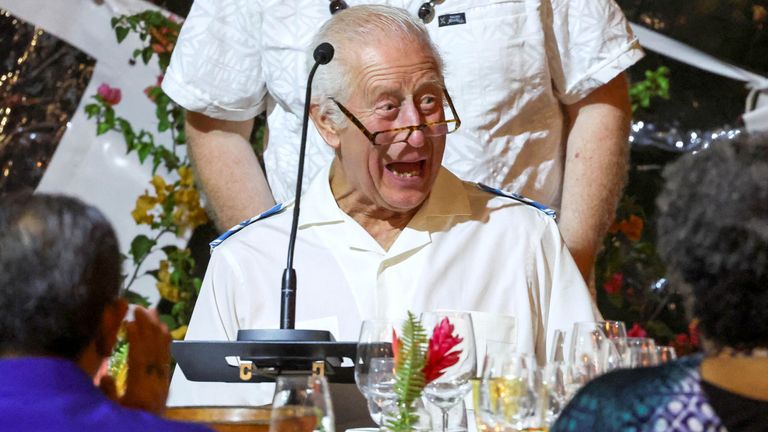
point(637, 331)
point(693, 331)
point(614, 284)
point(110, 95)
point(439, 354)
point(395, 345)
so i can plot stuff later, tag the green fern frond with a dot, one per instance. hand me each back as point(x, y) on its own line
point(409, 375)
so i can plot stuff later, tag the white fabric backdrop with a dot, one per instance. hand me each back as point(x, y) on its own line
point(96, 169)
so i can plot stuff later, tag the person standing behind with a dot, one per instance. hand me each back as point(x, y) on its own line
point(60, 313)
point(540, 83)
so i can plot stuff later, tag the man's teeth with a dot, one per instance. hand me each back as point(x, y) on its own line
point(405, 174)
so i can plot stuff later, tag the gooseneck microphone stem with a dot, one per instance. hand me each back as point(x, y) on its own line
point(322, 55)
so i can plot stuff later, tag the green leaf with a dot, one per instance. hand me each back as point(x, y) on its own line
point(146, 54)
point(144, 151)
point(169, 321)
point(135, 298)
point(102, 128)
point(92, 110)
point(140, 247)
point(121, 32)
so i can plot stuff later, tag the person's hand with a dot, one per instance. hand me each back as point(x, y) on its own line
point(149, 359)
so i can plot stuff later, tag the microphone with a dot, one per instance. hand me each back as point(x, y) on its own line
point(322, 55)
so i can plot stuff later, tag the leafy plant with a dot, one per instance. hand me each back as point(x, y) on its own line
point(173, 206)
point(655, 85)
point(409, 372)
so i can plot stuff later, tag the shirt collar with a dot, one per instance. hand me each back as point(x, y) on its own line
point(447, 198)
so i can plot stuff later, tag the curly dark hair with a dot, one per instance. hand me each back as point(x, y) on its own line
point(59, 269)
point(713, 235)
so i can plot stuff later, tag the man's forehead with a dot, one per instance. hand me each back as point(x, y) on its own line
point(389, 68)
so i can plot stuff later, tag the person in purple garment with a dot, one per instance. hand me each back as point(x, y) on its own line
point(60, 313)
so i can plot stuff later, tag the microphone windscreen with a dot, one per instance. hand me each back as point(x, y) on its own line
point(323, 53)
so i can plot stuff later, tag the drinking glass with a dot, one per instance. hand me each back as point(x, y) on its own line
point(641, 352)
point(554, 377)
point(666, 354)
point(454, 382)
point(509, 392)
point(614, 329)
point(301, 404)
point(375, 342)
point(586, 353)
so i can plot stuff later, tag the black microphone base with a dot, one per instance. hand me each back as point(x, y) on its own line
point(285, 335)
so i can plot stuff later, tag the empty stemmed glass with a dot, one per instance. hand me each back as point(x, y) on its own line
point(375, 344)
point(665, 354)
point(453, 383)
point(640, 352)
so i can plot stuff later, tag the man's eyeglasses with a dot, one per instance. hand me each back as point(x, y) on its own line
point(391, 136)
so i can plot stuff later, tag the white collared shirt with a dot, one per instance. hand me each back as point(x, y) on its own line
point(510, 66)
point(465, 249)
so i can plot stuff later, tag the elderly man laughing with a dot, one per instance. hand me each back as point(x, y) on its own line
point(384, 228)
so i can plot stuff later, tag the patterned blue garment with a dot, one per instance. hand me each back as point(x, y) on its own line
point(664, 398)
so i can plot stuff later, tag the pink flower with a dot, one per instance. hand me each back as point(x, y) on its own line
point(110, 95)
point(614, 284)
point(439, 354)
point(637, 331)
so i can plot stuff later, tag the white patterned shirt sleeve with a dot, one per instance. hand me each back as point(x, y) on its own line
point(590, 43)
point(216, 67)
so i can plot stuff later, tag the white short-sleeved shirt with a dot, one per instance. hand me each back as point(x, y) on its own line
point(509, 68)
point(465, 249)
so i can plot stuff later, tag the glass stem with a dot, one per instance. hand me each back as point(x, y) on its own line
point(445, 419)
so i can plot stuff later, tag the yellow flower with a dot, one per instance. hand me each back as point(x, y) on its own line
point(120, 378)
point(186, 177)
point(166, 289)
point(188, 214)
point(144, 203)
point(161, 188)
point(179, 333)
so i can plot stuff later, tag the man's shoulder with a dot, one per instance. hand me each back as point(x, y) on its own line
point(494, 199)
point(272, 218)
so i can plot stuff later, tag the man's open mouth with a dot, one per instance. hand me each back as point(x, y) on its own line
point(406, 169)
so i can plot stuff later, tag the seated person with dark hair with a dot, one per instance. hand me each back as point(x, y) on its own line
point(713, 234)
point(60, 313)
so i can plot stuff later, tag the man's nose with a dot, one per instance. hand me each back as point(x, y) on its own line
point(411, 116)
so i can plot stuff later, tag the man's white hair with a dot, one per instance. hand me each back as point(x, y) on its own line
point(349, 31)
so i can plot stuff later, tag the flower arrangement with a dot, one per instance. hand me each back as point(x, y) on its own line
point(418, 362)
point(632, 287)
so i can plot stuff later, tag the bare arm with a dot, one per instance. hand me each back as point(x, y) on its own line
point(595, 169)
point(227, 168)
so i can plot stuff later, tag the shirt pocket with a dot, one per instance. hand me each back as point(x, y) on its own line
point(495, 57)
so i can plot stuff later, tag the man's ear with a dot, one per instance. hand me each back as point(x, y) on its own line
point(111, 320)
point(325, 126)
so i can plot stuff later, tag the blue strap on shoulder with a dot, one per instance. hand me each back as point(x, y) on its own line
point(527, 201)
point(273, 211)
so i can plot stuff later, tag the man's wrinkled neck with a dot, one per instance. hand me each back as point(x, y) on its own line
point(384, 225)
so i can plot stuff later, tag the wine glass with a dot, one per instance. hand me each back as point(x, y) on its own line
point(586, 353)
point(303, 404)
point(509, 397)
point(375, 342)
point(447, 387)
point(666, 354)
point(640, 352)
point(614, 329)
